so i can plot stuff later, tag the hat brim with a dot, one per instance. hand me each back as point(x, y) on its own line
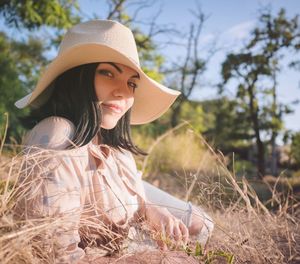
point(151, 98)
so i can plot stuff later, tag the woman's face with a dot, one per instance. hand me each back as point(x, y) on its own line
point(114, 85)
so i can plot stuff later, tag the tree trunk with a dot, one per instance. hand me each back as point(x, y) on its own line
point(274, 130)
point(260, 157)
point(259, 144)
point(176, 110)
point(273, 155)
point(175, 115)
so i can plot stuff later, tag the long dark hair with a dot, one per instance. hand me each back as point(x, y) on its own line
point(73, 97)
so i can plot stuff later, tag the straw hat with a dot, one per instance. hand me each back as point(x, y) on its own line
point(103, 41)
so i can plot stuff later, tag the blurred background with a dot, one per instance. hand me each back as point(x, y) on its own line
point(236, 64)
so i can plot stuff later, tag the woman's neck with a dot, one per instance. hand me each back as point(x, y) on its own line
point(96, 139)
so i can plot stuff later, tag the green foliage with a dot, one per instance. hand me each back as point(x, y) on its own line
point(152, 130)
point(191, 112)
point(198, 252)
point(295, 147)
point(277, 32)
point(34, 14)
point(256, 68)
point(151, 60)
point(243, 167)
point(20, 63)
point(209, 256)
point(221, 118)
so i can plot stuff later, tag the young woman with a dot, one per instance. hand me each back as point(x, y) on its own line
point(79, 159)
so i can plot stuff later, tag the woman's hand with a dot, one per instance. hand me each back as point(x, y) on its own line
point(167, 227)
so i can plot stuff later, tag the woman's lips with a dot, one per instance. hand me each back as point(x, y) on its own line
point(113, 107)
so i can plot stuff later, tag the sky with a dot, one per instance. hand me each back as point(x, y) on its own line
point(229, 23)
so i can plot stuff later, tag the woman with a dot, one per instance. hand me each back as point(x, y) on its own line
point(83, 106)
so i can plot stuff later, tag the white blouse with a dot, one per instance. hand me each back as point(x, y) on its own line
point(93, 187)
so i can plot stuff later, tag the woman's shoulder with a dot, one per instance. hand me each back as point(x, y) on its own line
point(125, 157)
point(53, 132)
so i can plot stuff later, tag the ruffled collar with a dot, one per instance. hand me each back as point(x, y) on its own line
point(101, 151)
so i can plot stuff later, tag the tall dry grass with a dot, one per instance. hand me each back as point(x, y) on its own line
point(182, 163)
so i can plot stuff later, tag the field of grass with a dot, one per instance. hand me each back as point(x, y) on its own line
point(255, 222)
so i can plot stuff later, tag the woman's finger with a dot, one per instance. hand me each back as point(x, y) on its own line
point(177, 231)
point(160, 237)
point(161, 244)
point(184, 232)
point(169, 229)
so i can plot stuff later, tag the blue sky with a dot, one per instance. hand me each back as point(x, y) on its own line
point(229, 22)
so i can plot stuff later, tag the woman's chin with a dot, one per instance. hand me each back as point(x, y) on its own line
point(108, 125)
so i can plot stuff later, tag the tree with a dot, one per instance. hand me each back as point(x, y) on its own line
point(22, 60)
point(221, 129)
point(255, 69)
point(295, 148)
point(187, 74)
point(34, 14)
point(20, 63)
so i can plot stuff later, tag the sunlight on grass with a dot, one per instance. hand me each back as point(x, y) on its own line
point(184, 164)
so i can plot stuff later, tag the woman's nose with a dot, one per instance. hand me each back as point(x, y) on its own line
point(122, 90)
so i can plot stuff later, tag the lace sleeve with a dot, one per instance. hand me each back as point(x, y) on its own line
point(51, 133)
point(50, 192)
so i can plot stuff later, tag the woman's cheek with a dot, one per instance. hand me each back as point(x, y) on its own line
point(131, 101)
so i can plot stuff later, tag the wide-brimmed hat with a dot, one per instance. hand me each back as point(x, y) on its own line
point(104, 41)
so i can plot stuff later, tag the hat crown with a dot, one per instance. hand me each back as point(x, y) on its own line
point(105, 32)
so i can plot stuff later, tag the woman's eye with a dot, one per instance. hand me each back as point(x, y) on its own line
point(106, 73)
point(133, 85)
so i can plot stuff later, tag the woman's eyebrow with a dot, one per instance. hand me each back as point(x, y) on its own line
point(120, 70)
point(115, 66)
point(136, 76)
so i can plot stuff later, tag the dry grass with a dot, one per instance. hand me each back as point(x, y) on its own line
point(244, 227)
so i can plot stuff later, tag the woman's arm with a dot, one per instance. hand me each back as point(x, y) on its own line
point(49, 190)
point(158, 218)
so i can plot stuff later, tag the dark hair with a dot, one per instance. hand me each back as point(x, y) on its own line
point(73, 97)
